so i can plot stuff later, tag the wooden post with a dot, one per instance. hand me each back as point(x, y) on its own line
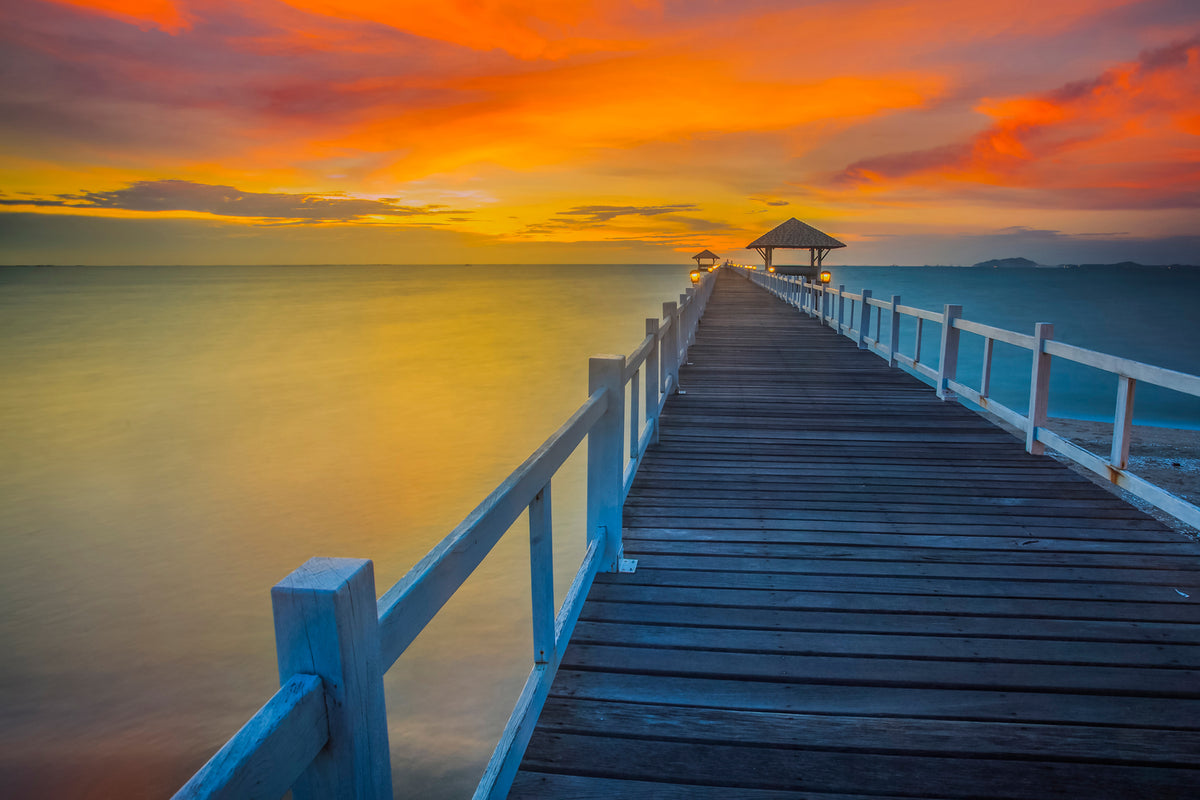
point(985, 379)
point(841, 306)
point(327, 624)
point(681, 338)
point(670, 349)
point(635, 396)
point(1122, 422)
point(693, 318)
point(948, 362)
point(917, 344)
point(894, 340)
point(652, 380)
point(1039, 388)
point(541, 575)
point(606, 467)
point(864, 319)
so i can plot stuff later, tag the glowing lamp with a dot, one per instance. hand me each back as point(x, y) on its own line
point(770, 269)
point(826, 276)
point(695, 276)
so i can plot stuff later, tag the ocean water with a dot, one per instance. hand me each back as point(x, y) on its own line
point(176, 440)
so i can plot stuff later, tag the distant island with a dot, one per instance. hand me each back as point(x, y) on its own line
point(1009, 263)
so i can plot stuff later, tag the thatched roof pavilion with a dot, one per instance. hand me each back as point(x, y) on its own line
point(795, 235)
point(706, 255)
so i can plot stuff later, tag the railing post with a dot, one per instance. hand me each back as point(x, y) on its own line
point(948, 362)
point(541, 575)
point(894, 340)
point(1039, 388)
point(652, 377)
point(841, 306)
point(693, 317)
point(985, 376)
point(327, 624)
point(864, 319)
point(605, 458)
point(670, 349)
point(1122, 422)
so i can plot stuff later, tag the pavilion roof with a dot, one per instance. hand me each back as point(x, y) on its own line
point(795, 233)
point(707, 254)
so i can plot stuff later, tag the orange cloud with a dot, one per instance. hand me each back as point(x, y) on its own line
point(1127, 136)
point(145, 14)
point(525, 28)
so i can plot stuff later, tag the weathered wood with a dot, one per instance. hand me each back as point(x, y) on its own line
point(1039, 387)
point(271, 751)
point(1122, 421)
point(848, 588)
point(541, 575)
point(605, 460)
point(326, 624)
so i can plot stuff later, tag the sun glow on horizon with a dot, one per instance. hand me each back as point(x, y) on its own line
point(623, 131)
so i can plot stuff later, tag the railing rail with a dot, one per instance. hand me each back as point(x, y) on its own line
point(827, 303)
point(324, 733)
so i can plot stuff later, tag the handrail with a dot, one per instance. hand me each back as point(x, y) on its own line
point(816, 300)
point(324, 734)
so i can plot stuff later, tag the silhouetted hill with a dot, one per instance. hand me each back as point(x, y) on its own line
point(1006, 262)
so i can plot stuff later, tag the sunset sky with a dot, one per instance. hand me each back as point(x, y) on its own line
point(590, 131)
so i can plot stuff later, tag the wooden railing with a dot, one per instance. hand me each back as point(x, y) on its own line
point(829, 304)
point(324, 733)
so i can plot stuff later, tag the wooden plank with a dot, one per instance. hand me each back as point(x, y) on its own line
point(835, 623)
point(909, 645)
point(739, 767)
point(1184, 595)
point(894, 735)
point(1176, 550)
point(799, 696)
point(1008, 676)
point(956, 571)
point(541, 785)
point(898, 602)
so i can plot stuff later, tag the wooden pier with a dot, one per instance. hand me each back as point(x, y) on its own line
point(849, 589)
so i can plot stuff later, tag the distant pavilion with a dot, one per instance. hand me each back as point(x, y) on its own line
point(795, 235)
point(706, 255)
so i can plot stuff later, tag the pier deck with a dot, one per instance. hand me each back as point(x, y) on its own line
point(848, 589)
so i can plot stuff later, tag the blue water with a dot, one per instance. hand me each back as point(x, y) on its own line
point(1149, 314)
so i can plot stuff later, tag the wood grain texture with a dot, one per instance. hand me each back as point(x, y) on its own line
point(849, 589)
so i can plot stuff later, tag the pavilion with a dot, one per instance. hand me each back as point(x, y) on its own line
point(795, 235)
point(706, 255)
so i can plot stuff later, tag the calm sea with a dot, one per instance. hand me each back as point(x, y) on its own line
point(176, 440)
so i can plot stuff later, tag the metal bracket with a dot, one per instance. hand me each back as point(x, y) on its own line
point(627, 565)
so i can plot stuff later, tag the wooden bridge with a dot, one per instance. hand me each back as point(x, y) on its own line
point(846, 588)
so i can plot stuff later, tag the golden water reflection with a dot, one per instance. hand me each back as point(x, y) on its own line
point(180, 439)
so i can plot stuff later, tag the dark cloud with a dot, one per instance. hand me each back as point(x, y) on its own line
point(228, 201)
point(767, 202)
point(593, 214)
point(901, 165)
